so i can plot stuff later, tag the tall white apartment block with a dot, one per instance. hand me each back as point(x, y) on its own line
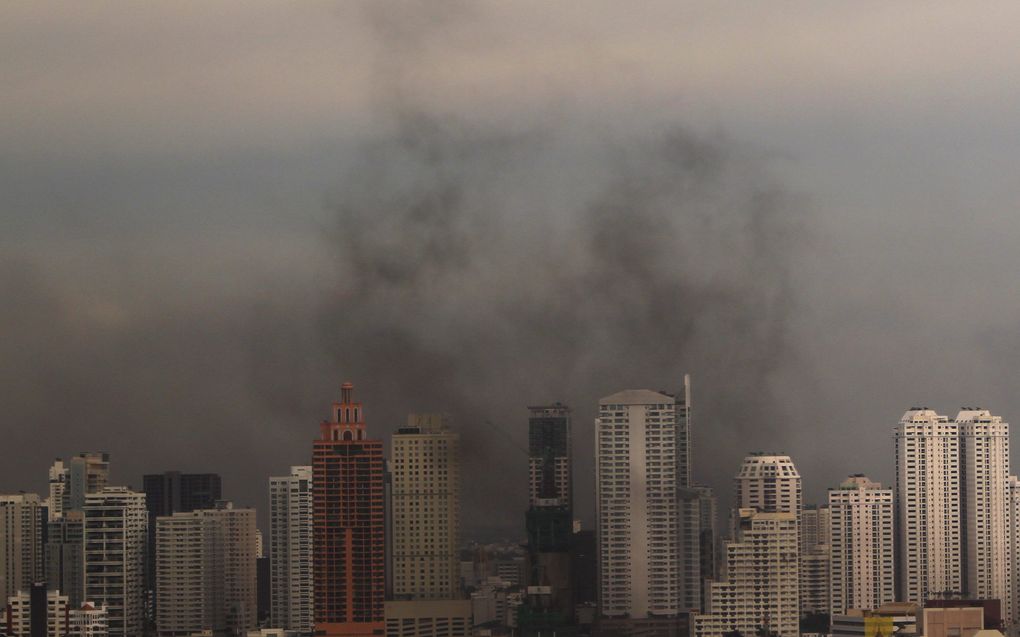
point(205, 571)
point(984, 449)
point(290, 551)
point(57, 486)
point(862, 564)
point(21, 546)
point(928, 509)
point(88, 621)
point(425, 501)
point(639, 523)
point(115, 535)
point(760, 586)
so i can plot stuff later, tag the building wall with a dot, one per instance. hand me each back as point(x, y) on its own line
point(65, 556)
point(431, 618)
point(349, 526)
point(425, 507)
point(984, 448)
point(20, 609)
point(637, 466)
point(205, 571)
point(765, 549)
point(115, 535)
point(21, 546)
point(862, 560)
point(927, 503)
point(290, 550)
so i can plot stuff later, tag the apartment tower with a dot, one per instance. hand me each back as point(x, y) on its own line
point(639, 476)
point(927, 506)
point(349, 526)
point(861, 557)
point(290, 551)
point(984, 473)
point(425, 501)
point(21, 543)
point(205, 572)
point(115, 535)
point(759, 591)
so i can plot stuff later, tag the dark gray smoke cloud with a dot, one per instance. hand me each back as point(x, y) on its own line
point(487, 265)
point(472, 262)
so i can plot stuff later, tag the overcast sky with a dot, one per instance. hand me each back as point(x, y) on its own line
point(213, 214)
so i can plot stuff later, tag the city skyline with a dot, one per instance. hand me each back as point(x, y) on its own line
point(194, 198)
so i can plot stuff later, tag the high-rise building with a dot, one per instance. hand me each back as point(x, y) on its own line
point(65, 556)
point(57, 486)
point(861, 559)
point(768, 483)
point(984, 474)
point(36, 612)
point(759, 590)
point(684, 442)
point(549, 519)
point(205, 571)
point(814, 559)
point(115, 533)
point(171, 492)
point(638, 481)
point(1013, 509)
point(21, 542)
point(927, 506)
point(349, 525)
point(88, 620)
point(88, 472)
point(425, 504)
point(290, 551)
point(708, 526)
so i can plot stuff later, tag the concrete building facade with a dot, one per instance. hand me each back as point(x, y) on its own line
point(290, 551)
point(928, 506)
point(115, 535)
point(760, 586)
point(425, 509)
point(21, 542)
point(862, 546)
point(638, 482)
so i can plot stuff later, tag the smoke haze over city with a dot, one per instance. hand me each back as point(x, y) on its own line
point(215, 215)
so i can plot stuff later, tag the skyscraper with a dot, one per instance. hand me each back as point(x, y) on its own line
point(927, 503)
point(759, 592)
point(549, 519)
point(205, 571)
point(349, 525)
point(814, 559)
point(115, 534)
point(171, 492)
point(425, 497)
point(88, 472)
point(638, 481)
point(57, 486)
point(768, 483)
point(861, 558)
point(984, 473)
point(65, 556)
point(21, 543)
point(290, 551)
